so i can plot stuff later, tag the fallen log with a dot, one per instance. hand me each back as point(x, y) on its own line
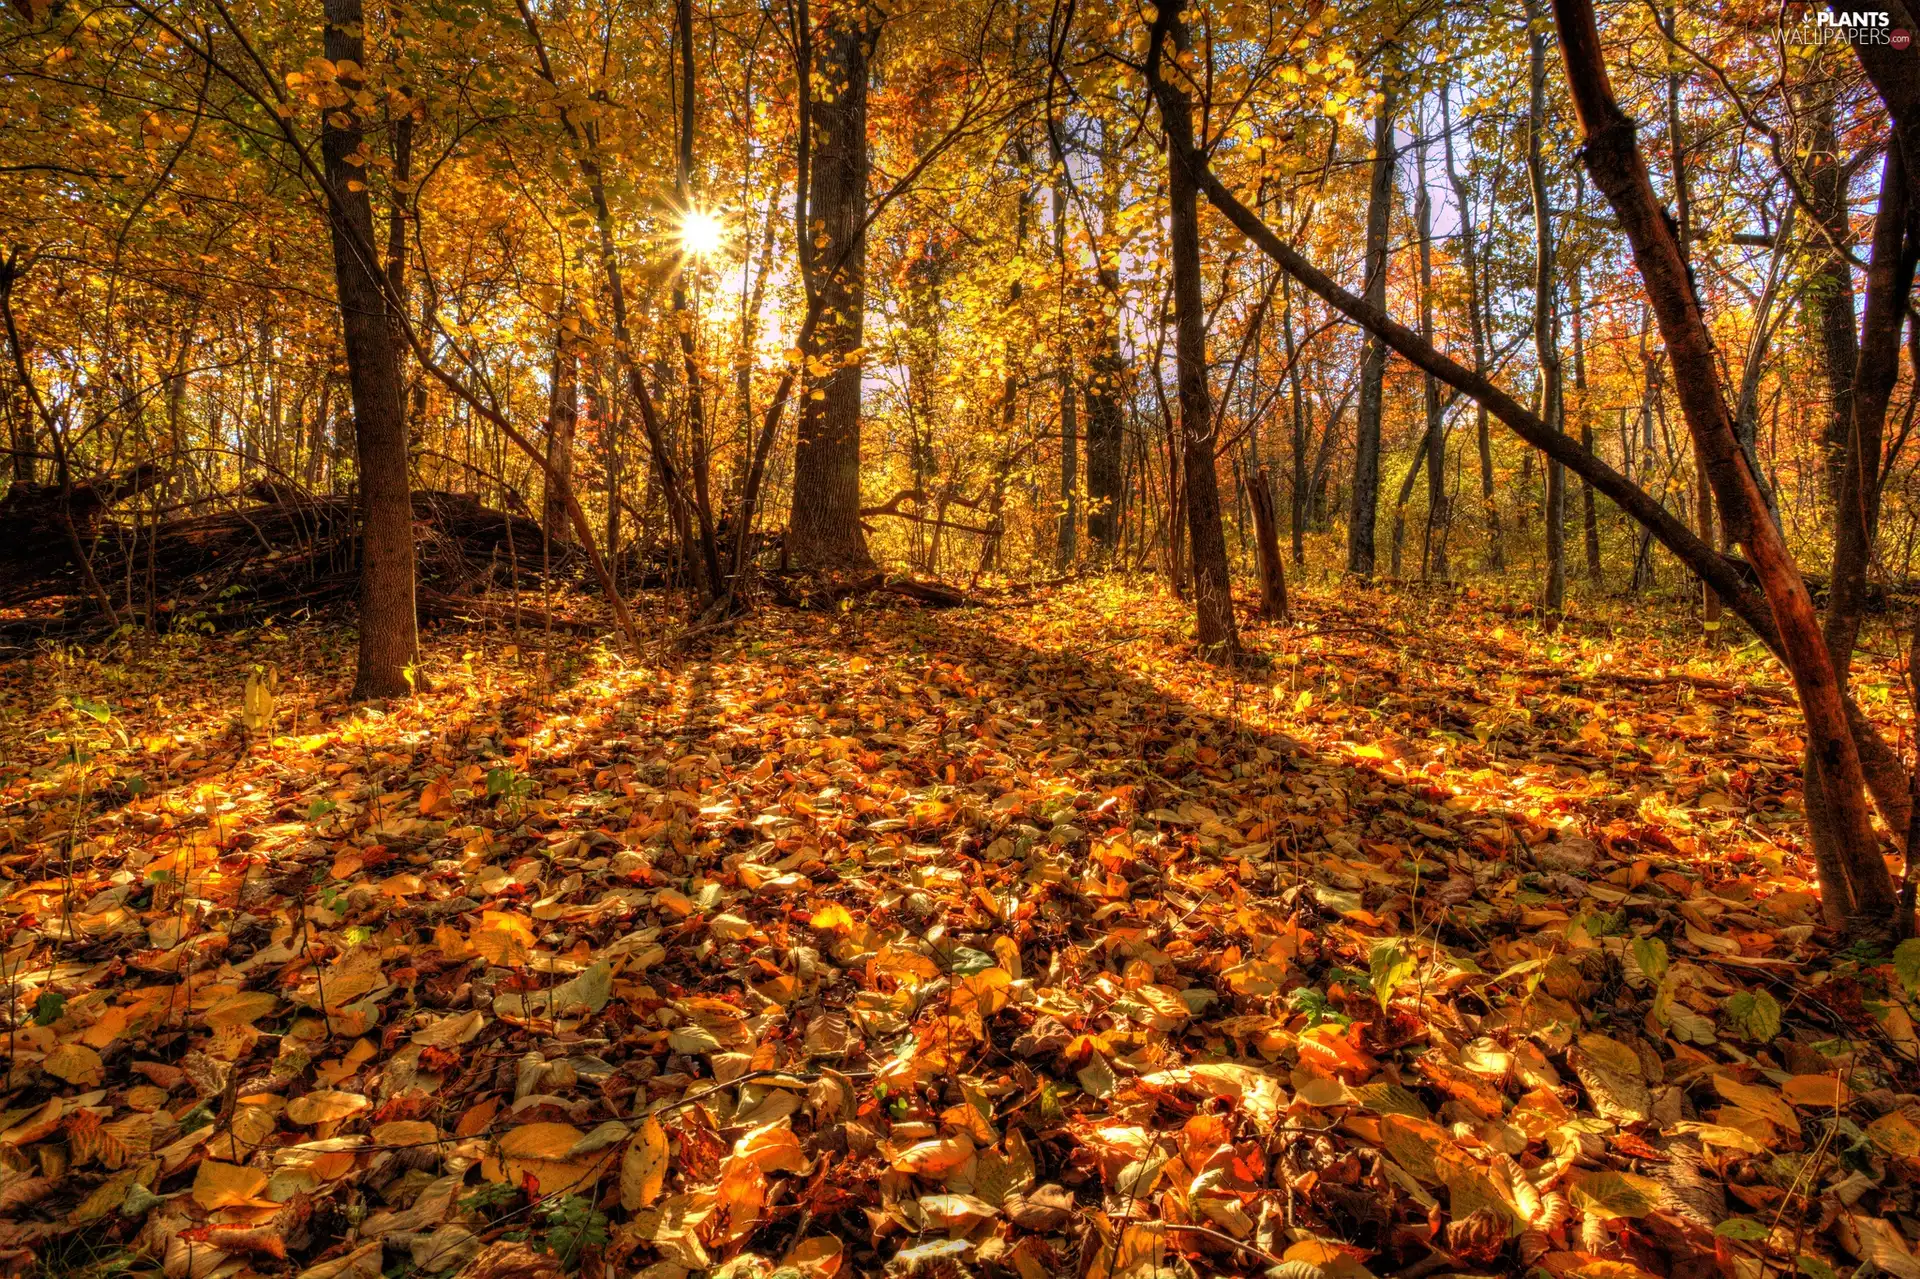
point(811, 590)
point(275, 551)
point(466, 608)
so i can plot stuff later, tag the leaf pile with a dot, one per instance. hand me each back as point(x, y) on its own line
point(998, 942)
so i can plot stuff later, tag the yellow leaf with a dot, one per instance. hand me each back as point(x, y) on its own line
point(1617, 1194)
point(643, 1169)
point(1757, 1100)
point(76, 1063)
point(820, 1257)
point(405, 1132)
point(219, 1185)
point(242, 1009)
point(1821, 1092)
point(1898, 1132)
point(504, 937)
point(541, 1151)
point(832, 919)
point(935, 1158)
point(325, 1106)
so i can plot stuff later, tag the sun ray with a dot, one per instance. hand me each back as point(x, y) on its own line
point(701, 233)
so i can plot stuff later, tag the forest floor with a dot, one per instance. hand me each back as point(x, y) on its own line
point(1001, 940)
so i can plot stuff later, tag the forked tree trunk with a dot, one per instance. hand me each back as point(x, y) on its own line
point(1876, 371)
point(389, 641)
point(1856, 888)
point(1212, 589)
point(1756, 608)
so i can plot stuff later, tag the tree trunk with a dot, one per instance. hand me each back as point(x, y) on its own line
point(1896, 236)
point(563, 417)
point(1106, 489)
point(1066, 541)
point(1583, 411)
point(1433, 546)
point(608, 418)
point(1755, 606)
point(1212, 589)
point(20, 430)
point(1365, 503)
point(1400, 504)
point(1683, 239)
point(1266, 545)
point(1856, 888)
point(1830, 296)
point(389, 643)
point(1470, 266)
point(1546, 319)
point(824, 528)
point(713, 577)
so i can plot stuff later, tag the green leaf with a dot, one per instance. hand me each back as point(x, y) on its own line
point(1753, 1014)
point(1814, 1268)
point(1097, 1077)
point(1651, 954)
point(1389, 966)
point(99, 712)
point(1744, 1229)
point(1616, 1194)
point(967, 961)
point(1906, 964)
point(48, 1008)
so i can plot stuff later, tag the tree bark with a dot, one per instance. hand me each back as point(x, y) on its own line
point(1683, 240)
point(1546, 316)
point(1266, 545)
point(1066, 539)
point(389, 641)
point(1589, 514)
point(824, 528)
point(563, 417)
point(1433, 547)
point(1300, 488)
point(1364, 506)
point(1212, 589)
point(1476, 324)
point(700, 439)
point(1896, 236)
point(1105, 369)
point(1830, 297)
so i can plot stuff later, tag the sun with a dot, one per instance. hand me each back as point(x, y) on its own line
point(700, 233)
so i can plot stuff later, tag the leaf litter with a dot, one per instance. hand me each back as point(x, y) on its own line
point(1012, 941)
